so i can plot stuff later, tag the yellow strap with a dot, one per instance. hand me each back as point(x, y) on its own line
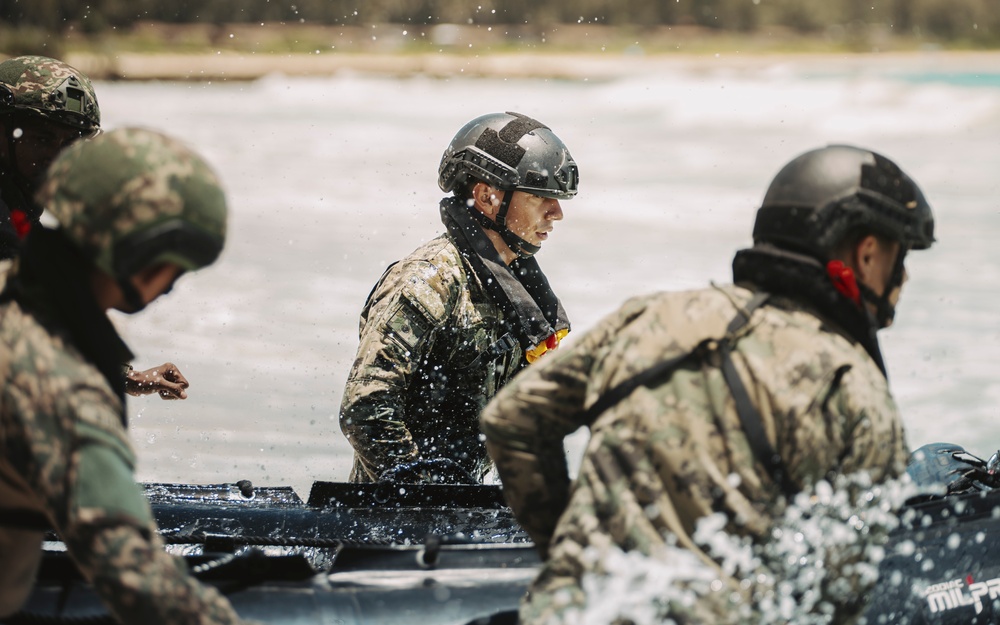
point(536, 352)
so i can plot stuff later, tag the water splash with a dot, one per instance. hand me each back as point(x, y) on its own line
point(820, 560)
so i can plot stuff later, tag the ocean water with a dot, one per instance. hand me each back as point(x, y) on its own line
point(332, 178)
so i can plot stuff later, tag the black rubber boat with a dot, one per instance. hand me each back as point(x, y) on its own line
point(454, 555)
point(350, 554)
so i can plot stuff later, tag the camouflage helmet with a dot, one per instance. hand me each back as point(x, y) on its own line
point(510, 151)
point(823, 195)
point(49, 88)
point(132, 198)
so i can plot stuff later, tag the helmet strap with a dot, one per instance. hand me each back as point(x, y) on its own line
point(131, 294)
point(501, 218)
point(885, 312)
point(519, 246)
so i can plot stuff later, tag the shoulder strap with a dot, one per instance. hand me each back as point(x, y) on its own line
point(619, 392)
point(501, 346)
point(750, 419)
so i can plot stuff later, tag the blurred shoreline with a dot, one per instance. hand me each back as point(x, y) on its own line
point(238, 66)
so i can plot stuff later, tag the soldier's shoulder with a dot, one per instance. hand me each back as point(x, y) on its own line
point(439, 254)
point(44, 368)
point(433, 276)
point(795, 333)
point(691, 308)
point(648, 328)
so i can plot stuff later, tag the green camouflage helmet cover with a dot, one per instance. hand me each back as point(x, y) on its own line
point(51, 89)
point(132, 198)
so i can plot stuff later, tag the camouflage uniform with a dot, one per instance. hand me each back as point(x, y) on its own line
point(449, 325)
point(669, 455)
point(422, 375)
point(51, 90)
point(65, 458)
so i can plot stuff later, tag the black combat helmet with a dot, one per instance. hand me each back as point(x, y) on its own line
point(823, 196)
point(511, 152)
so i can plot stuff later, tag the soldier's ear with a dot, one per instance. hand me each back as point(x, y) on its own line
point(864, 257)
point(490, 195)
point(485, 199)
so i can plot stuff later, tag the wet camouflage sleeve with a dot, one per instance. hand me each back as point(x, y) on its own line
point(397, 328)
point(527, 445)
point(669, 456)
point(62, 435)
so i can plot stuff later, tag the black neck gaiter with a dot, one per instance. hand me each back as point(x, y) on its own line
point(53, 282)
point(521, 290)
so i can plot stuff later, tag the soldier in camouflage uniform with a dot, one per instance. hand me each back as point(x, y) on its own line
point(135, 210)
point(45, 105)
point(448, 325)
point(723, 400)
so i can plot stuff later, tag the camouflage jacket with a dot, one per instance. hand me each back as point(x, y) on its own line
point(66, 463)
point(433, 351)
point(669, 455)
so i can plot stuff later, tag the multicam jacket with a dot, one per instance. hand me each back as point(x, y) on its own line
point(434, 349)
point(671, 454)
point(66, 463)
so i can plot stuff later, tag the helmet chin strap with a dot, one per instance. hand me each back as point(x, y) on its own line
point(885, 312)
point(519, 246)
point(131, 294)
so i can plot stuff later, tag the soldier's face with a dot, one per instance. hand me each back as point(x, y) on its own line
point(37, 143)
point(886, 262)
point(877, 261)
point(152, 282)
point(532, 217)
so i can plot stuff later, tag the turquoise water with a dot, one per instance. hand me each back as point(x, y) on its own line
point(987, 80)
point(332, 178)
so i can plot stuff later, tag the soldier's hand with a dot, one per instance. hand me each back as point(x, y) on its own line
point(166, 380)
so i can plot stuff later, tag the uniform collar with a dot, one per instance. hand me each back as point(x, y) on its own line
point(521, 290)
point(804, 279)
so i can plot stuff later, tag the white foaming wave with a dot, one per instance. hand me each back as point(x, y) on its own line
point(858, 107)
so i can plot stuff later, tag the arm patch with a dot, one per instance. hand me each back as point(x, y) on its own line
point(407, 326)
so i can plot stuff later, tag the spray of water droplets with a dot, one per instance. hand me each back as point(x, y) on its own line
point(819, 561)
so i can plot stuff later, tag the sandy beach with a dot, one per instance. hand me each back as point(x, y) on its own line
point(236, 66)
